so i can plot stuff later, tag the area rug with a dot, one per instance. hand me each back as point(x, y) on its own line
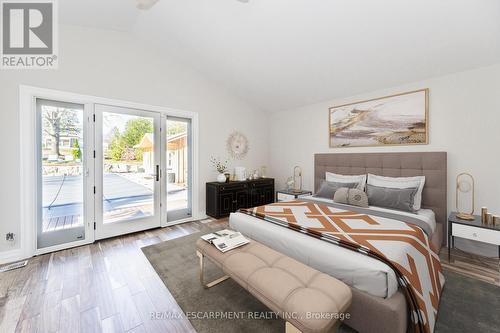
point(176, 263)
point(467, 305)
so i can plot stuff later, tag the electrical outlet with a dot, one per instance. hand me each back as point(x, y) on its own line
point(9, 236)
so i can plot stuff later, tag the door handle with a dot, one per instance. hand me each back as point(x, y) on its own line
point(157, 173)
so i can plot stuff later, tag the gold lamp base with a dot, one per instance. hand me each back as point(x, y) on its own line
point(464, 216)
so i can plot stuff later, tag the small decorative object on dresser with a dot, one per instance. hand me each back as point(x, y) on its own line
point(221, 167)
point(484, 211)
point(263, 171)
point(473, 230)
point(224, 199)
point(284, 195)
point(489, 218)
point(240, 173)
point(465, 184)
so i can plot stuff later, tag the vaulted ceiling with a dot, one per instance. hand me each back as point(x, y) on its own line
point(279, 54)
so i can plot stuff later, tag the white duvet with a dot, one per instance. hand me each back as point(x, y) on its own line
point(355, 269)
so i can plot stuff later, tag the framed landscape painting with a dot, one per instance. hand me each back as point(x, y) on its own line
point(392, 120)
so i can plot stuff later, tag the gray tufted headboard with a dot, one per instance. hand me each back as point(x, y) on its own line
point(432, 165)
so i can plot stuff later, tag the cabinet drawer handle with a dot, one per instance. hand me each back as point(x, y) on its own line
point(235, 201)
point(474, 234)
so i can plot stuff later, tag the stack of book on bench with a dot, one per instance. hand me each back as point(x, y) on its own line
point(225, 240)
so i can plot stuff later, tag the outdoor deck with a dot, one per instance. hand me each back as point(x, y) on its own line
point(62, 222)
point(127, 197)
point(75, 221)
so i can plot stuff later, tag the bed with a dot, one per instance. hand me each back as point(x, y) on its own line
point(378, 305)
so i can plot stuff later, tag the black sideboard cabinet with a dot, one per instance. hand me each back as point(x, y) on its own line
point(225, 198)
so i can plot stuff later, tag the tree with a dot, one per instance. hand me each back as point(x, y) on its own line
point(122, 145)
point(116, 146)
point(57, 121)
point(77, 152)
point(176, 127)
point(135, 130)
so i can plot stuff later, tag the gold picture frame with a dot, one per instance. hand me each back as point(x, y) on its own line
point(414, 108)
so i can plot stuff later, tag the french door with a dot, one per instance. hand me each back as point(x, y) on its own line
point(128, 162)
point(106, 170)
point(178, 169)
point(64, 166)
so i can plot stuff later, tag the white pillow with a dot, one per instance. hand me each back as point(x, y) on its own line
point(401, 182)
point(360, 179)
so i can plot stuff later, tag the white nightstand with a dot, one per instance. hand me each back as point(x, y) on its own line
point(473, 230)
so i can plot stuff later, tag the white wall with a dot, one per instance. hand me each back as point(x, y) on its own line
point(464, 115)
point(116, 65)
point(464, 118)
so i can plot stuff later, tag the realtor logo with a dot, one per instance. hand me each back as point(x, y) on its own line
point(29, 37)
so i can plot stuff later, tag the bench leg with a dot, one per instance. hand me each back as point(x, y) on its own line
point(336, 326)
point(210, 284)
point(289, 328)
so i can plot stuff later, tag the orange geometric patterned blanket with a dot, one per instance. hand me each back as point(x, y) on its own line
point(403, 246)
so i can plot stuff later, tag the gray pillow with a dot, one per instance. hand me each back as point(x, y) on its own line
point(328, 189)
point(393, 198)
point(351, 196)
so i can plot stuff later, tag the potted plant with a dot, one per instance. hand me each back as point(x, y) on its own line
point(221, 167)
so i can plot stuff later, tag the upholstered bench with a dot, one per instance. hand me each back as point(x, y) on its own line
point(307, 299)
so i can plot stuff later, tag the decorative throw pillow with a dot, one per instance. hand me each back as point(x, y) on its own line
point(393, 198)
point(351, 196)
point(400, 182)
point(359, 179)
point(328, 189)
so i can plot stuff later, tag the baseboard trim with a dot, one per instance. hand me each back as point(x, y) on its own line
point(11, 256)
point(202, 216)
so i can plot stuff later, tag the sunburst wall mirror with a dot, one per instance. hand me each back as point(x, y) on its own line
point(237, 145)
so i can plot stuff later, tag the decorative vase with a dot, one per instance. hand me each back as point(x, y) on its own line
point(221, 178)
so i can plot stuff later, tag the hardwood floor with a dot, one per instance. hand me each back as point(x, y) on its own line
point(108, 286)
point(474, 266)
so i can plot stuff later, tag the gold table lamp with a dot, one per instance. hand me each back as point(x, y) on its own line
point(465, 184)
point(297, 179)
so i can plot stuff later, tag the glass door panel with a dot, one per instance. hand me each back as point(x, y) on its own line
point(128, 170)
point(178, 168)
point(62, 172)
